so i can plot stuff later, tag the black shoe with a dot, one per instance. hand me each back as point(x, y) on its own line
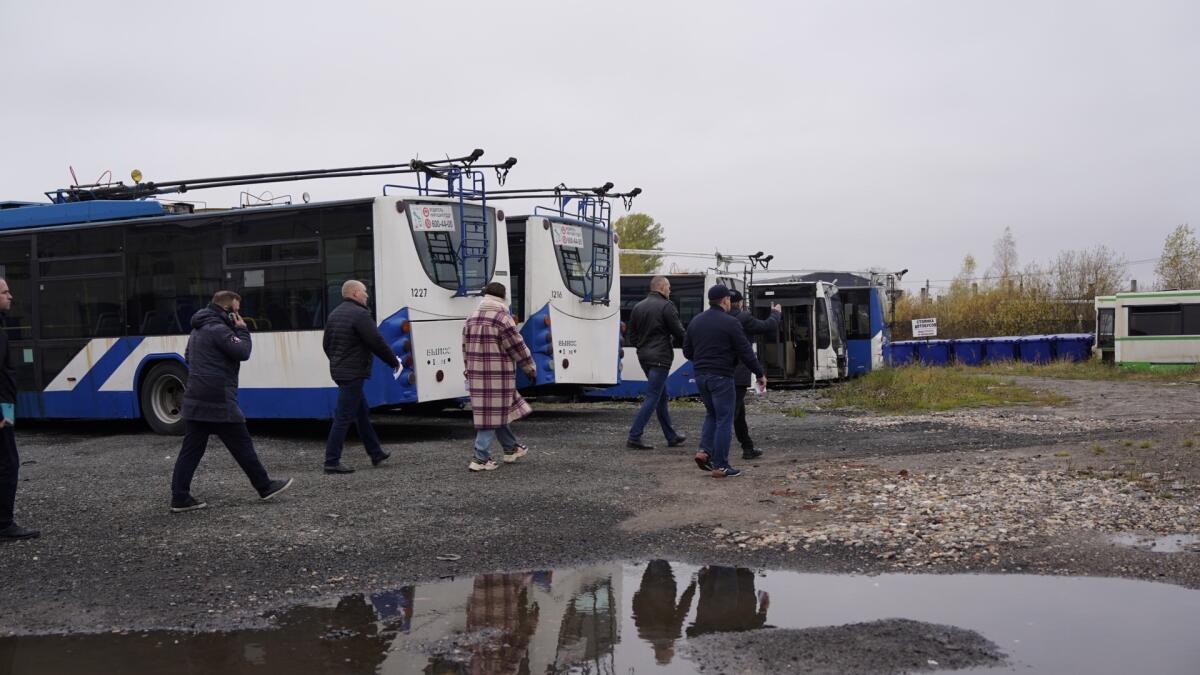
point(14, 532)
point(188, 504)
point(703, 461)
point(752, 453)
point(679, 440)
point(275, 488)
point(380, 459)
point(638, 445)
point(338, 468)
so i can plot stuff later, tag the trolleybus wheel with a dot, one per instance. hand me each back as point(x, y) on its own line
point(161, 396)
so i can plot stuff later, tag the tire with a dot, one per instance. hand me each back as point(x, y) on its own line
point(161, 397)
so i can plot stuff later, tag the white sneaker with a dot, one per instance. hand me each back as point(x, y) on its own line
point(477, 465)
point(518, 452)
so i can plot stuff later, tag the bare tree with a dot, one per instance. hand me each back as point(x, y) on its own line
point(1084, 274)
point(1005, 263)
point(1179, 265)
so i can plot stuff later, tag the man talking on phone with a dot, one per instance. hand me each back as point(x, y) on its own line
point(216, 348)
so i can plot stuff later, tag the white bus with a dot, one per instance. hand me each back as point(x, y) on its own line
point(811, 344)
point(565, 301)
point(1106, 324)
point(105, 290)
point(1156, 329)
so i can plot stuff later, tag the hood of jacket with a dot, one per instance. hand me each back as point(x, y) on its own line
point(208, 316)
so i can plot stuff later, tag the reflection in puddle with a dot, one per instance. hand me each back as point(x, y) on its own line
point(1169, 543)
point(640, 617)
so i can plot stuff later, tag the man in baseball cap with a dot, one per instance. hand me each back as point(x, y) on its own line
point(753, 328)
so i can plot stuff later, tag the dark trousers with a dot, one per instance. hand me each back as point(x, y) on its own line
point(10, 465)
point(236, 438)
point(716, 391)
point(740, 428)
point(655, 403)
point(351, 409)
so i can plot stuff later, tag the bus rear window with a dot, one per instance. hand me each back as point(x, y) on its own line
point(584, 255)
point(443, 232)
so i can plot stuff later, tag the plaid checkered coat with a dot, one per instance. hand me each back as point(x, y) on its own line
point(491, 345)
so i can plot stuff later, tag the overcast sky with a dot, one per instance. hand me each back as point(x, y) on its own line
point(832, 134)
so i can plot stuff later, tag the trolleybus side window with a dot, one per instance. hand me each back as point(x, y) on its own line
point(633, 291)
point(439, 248)
point(1156, 320)
point(80, 284)
point(172, 271)
point(15, 269)
point(857, 305)
point(349, 251)
point(273, 260)
point(575, 249)
point(689, 296)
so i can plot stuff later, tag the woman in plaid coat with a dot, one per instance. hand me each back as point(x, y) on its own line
point(491, 346)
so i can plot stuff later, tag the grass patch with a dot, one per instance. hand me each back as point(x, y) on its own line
point(1144, 444)
point(1092, 369)
point(1097, 449)
point(920, 389)
point(796, 412)
point(1189, 443)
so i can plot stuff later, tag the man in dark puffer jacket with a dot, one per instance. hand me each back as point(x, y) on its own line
point(215, 350)
point(351, 337)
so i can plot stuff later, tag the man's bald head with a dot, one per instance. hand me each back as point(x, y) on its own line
point(355, 290)
point(661, 284)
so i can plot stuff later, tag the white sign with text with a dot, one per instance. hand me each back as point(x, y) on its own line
point(432, 217)
point(924, 328)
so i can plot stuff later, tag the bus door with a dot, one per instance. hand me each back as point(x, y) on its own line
point(789, 356)
point(830, 356)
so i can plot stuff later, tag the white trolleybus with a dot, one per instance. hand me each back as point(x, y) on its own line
point(563, 263)
point(1151, 330)
point(106, 280)
point(811, 344)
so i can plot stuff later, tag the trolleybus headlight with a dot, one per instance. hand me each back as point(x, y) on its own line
point(566, 363)
point(408, 361)
point(401, 206)
point(412, 378)
point(405, 327)
point(546, 319)
point(439, 376)
point(500, 215)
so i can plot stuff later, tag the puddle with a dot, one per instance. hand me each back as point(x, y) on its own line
point(661, 617)
point(1171, 543)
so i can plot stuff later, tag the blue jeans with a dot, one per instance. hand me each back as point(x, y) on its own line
point(484, 438)
point(720, 399)
point(655, 402)
point(352, 408)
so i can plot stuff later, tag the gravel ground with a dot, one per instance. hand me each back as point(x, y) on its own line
point(112, 557)
point(876, 648)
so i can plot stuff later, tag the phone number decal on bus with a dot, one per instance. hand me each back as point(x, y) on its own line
point(432, 218)
point(567, 236)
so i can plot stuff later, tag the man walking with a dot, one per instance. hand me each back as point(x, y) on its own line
point(752, 327)
point(351, 338)
point(491, 345)
point(10, 461)
point(653, 325)
point(215, 350)
point(715, 342)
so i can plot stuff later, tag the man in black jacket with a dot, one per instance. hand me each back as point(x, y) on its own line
point(653, 326)
point(714, 343)
point(215, 350)
point(10, 461)
point(752, 327)
point(351, 337)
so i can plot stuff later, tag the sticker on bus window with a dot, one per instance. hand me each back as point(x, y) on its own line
point(432, 217)
point(567, 236)
point(255, 279)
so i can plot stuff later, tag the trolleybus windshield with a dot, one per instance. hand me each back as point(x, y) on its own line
point(576, 246)
point(444, 248)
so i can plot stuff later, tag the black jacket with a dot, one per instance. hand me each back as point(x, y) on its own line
point(752, 327)
point(715, 342)
point(8, 373)
point(215, 351)
point(652, 325)
point(351, 336)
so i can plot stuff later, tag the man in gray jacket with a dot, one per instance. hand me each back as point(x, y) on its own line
point(351, 338)
point(753, 328)
point(215, 350)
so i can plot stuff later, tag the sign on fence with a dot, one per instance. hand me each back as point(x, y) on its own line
point(924, 328)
